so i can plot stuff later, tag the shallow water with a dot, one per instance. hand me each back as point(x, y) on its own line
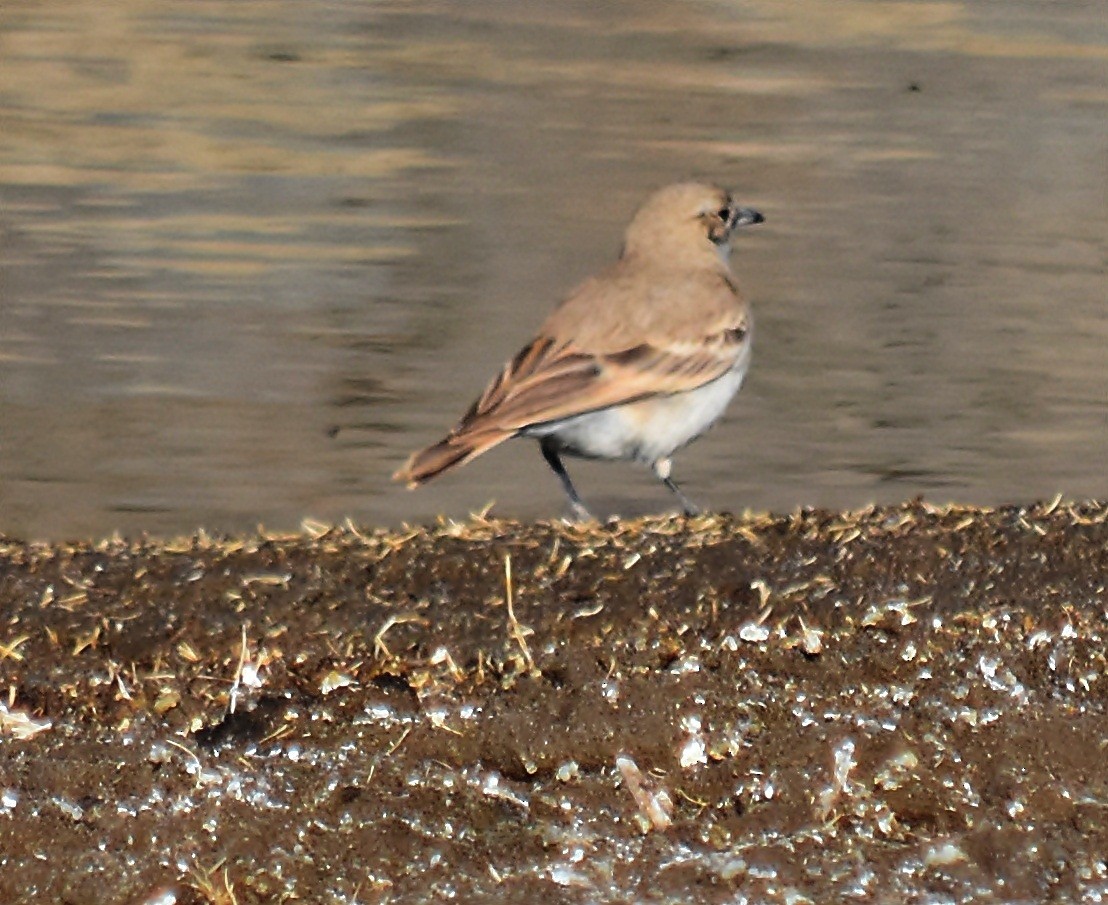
point(252, 254)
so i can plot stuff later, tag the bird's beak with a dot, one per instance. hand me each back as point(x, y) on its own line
point(745, 216)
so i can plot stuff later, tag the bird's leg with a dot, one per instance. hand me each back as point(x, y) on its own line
point(688, 505)
point(550, 453)
point(662, 469)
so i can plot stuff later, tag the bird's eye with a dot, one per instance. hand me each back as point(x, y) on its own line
point(724, 213)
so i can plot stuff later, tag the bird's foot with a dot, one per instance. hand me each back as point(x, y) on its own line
point(578, 512)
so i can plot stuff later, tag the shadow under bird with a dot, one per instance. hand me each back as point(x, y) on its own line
point(635, 363)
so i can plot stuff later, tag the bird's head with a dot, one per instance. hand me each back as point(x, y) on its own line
point(686, 220)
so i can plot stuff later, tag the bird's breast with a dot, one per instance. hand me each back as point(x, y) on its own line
point(647, 430)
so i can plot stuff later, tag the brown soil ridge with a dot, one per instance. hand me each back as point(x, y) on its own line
point(894, 704)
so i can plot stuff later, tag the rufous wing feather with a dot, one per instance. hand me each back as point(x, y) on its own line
point(450, 452)
point(548, 381)
point(475, 433)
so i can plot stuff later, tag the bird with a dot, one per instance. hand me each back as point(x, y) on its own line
point(633, 364)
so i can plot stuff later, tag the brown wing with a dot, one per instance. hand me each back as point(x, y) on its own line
point(548, 381)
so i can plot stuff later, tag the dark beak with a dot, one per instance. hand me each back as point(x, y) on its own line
point(745, 216)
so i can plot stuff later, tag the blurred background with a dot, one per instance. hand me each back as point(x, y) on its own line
point(253, 253)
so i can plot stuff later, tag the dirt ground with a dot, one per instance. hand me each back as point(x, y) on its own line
point(895, 705)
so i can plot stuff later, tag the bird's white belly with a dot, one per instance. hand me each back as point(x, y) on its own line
point(645, 431)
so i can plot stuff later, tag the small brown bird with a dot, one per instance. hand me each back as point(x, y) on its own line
point(636, 362)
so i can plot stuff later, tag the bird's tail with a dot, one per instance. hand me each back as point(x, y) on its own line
point(448, 453)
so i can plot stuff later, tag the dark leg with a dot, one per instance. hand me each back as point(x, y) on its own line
point(688, 505)
point(550, 453)
point(661, 469)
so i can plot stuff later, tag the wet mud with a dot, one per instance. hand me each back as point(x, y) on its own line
point(898, 704)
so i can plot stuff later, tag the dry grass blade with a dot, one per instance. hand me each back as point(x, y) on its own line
point(517, 632)
point(216, 890)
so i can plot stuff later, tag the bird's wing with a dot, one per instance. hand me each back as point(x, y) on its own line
point(548, 381)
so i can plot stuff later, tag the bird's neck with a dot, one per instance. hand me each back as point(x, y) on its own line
point(708, 256)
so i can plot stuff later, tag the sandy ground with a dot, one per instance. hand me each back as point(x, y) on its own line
point(896, 705)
